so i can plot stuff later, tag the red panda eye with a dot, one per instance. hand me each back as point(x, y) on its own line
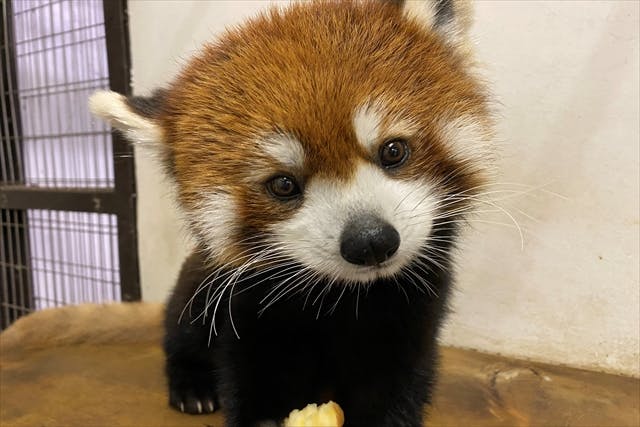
point(283, 187)
point(394, 153)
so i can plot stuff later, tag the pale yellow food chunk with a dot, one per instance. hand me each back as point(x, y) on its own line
point(328, 415)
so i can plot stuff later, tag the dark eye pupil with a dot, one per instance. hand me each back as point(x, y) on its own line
point(393, 153)
point(283, 187)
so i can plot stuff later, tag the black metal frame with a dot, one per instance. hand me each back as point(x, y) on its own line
point(20, 294)
point(117, 34)
point(119, 200)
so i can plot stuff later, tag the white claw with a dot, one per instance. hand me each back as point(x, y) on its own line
point(210, 406)
point(181, 407)
point(199, 407)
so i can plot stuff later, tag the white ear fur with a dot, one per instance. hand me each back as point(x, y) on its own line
point(113, 108)
point(453, 23)
point(422, 11)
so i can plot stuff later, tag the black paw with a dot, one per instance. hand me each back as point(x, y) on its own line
point(192, 401)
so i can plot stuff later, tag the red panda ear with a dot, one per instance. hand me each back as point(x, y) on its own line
point(450, 18)
point(135, 117)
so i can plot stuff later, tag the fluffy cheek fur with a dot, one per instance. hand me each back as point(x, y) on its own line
point(212, 220)
point(312, 235)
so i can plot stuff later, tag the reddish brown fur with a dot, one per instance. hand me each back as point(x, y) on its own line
point(305, 75)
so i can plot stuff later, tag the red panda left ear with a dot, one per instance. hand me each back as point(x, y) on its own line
point(449, 18)
point(135, 117)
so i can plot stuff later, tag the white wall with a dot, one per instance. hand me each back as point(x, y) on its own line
point(566, 74)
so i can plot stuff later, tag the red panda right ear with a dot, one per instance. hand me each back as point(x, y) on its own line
point(148, 106)
point(449, 18)
point(135, 117)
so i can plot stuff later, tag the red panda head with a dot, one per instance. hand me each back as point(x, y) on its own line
point(333, 135)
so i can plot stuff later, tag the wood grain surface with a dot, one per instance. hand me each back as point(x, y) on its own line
point(102, 365)
point(123, 385)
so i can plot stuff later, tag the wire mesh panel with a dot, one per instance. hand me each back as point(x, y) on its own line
point(67, 202)
point(74, 257)
point(16, 294)
point(61, 58)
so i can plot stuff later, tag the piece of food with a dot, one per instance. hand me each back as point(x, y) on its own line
point(327, 415)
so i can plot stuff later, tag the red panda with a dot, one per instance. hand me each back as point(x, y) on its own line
point(324, 156)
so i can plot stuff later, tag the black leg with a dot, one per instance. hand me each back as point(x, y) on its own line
point(192, 384)
point(190, 365)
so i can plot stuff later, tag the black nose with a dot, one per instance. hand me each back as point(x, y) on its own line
point(368, 240)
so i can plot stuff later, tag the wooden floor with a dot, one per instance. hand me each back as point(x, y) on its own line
point(123, 385)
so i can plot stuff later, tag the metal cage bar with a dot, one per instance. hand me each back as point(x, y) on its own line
point(117, 32)
point(73, 206)
point(16, 294)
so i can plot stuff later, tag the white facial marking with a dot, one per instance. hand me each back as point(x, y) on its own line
point(400, 128)
point(213, 222)
point(470, 142)
point(372, 126)
point(312, 235)
point(284, 149)
point(113, 108)
point(366, 123)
